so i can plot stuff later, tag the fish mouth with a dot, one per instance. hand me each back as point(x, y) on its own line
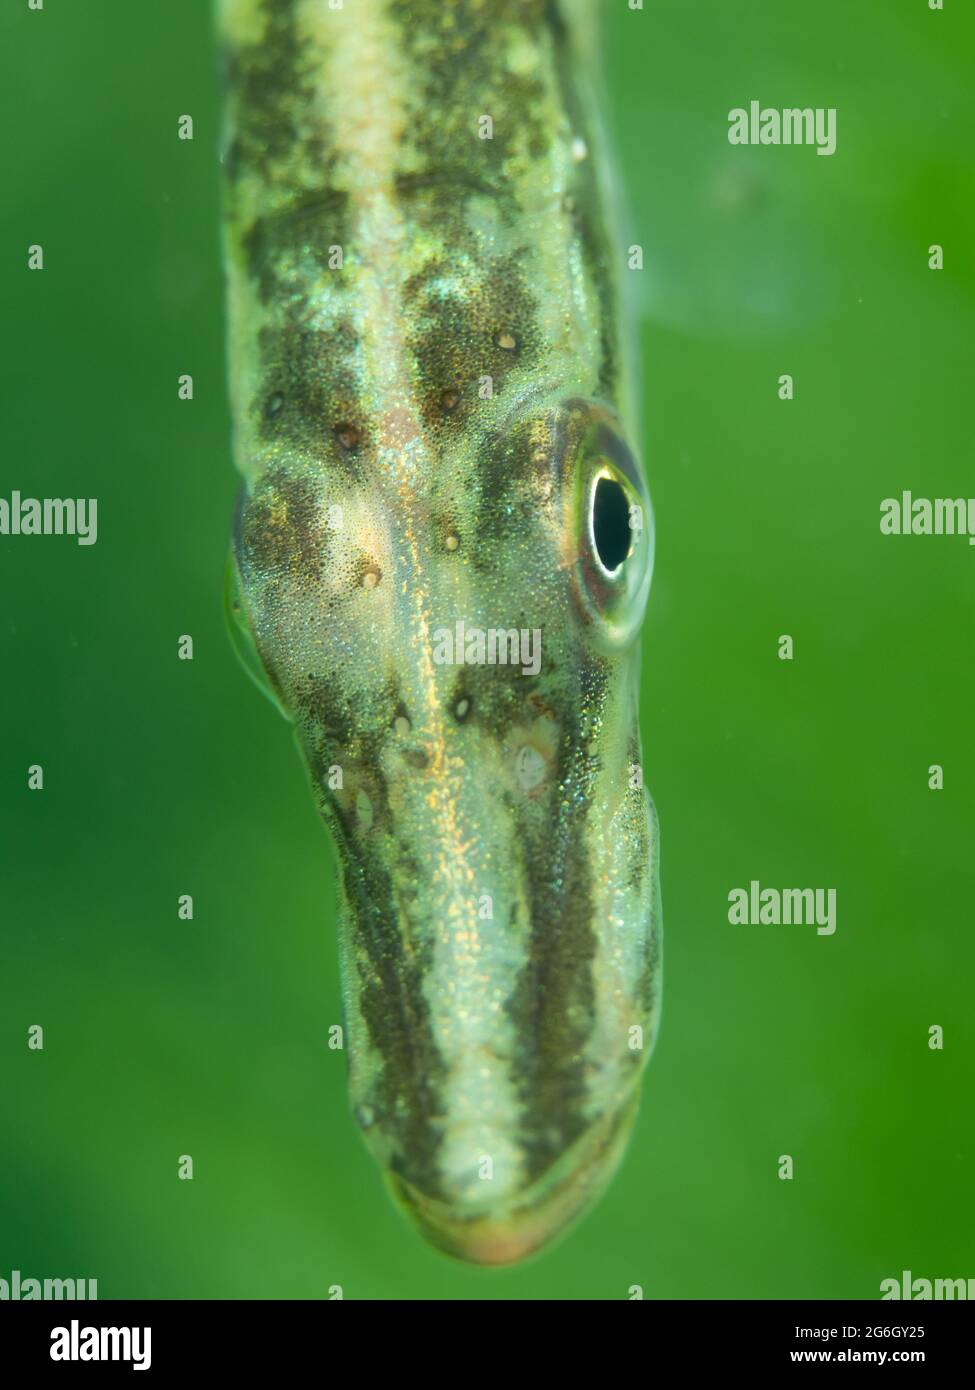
point(538, 1215)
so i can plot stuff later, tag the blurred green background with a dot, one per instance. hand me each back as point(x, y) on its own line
point(165, 777)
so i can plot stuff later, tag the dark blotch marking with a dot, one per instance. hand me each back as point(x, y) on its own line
point(504, 505)
point(406, 1096)
point(268, 85)
point(497, 694)
point(455, 342)
point(552, 1007)
point(395, 1013)
point(461, 51)
point(283, 533)
point(315, 374)
point(276, 245)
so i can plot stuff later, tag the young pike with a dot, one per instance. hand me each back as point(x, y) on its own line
point(429, 404)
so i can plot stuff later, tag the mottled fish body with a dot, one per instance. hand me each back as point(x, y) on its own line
point(430, 417)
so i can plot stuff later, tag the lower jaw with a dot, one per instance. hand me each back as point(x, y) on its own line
point(535, 1218)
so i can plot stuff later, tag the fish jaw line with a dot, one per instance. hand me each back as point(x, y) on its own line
point(541, 1214)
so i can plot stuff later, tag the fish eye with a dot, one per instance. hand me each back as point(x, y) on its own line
point(610, 527)
point(609, 522)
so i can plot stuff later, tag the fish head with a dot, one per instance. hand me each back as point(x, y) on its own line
point(457, 648)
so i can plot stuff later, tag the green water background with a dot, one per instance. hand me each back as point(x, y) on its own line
point(165, 777)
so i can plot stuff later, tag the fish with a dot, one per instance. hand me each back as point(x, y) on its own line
point(435, 421)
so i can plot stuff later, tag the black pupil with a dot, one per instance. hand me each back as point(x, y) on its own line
point(611, 523)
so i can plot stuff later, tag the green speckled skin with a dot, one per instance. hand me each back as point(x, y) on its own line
point(427, 381)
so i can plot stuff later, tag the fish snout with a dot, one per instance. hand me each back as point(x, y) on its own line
point(501, 1229)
